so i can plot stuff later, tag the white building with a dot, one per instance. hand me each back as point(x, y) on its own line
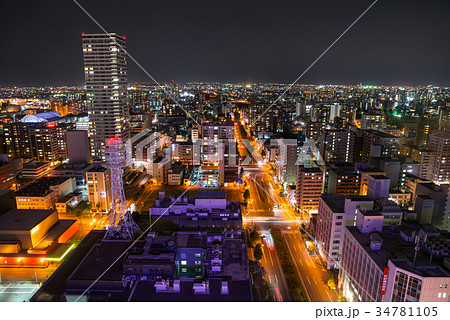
point(98, 182)
point(378, 265)
point(336, 212)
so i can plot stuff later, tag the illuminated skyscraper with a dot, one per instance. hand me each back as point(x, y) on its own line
point(105, 69)
point(440, 144)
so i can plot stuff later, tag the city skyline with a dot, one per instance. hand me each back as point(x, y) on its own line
point(201, 44)
point(146, 184)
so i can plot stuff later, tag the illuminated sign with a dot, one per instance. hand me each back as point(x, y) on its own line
point(384, 282)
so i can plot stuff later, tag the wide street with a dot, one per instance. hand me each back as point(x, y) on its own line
point(267, 209)
point(311, 270)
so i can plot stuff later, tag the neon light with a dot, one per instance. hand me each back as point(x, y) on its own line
point(62, 257)
point(385, 281)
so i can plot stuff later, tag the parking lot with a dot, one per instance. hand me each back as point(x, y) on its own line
point(17, 291)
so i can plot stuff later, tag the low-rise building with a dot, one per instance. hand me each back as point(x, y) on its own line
point(69, 201)
point(77, 170)
point(189, 266)
point(44, 192)
point(35, 170)
point(206, 209)
point(34, 237)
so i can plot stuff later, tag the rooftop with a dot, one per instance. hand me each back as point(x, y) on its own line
point(400, 251)
point(379, 177)
point(41, 117)
point(335, 203)
point(97, 169)
point(211, 195)
point(72, 166)
point(239, 291)
point(34, 165)
point(40, 187)
point(23, 220)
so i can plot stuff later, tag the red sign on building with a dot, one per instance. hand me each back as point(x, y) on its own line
point(384, 282)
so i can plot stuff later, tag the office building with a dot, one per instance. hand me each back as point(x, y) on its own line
point(444, 119)
point(373, 121)
point(364, 178)
point(379, 144)
point(105, 70)
point(78, 146)
point(380, 265)
point(343, 182)
point(440, 145)
point(430, 203)
point(378, 186)
point(98, 181)
point(426, 159)
point(286, 162)
point(308, 189)
point(40, 137)
point(35, 170)
point(77, 170)
point(44, 192)
point(338, 144)
point(336, 212)
point(7, 175)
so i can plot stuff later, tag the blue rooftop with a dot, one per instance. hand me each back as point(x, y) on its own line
point(41, 117)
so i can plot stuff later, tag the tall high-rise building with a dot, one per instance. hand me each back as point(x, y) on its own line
point(287, 161)
point(105, 69)
point(440, 145)
point(444, 118)
point(308, 189)
point(426, 159)
point(379, 144)
point(338, 143)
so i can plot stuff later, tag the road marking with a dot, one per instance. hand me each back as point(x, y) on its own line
point(5, 288)
point(301, 263)
point(270, 278)
point(314, 278)
point(307, 278)
point(295, 248)
point(276, 279)
point(328, 295)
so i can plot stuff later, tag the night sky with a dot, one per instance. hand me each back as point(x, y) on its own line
point(398, 42)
